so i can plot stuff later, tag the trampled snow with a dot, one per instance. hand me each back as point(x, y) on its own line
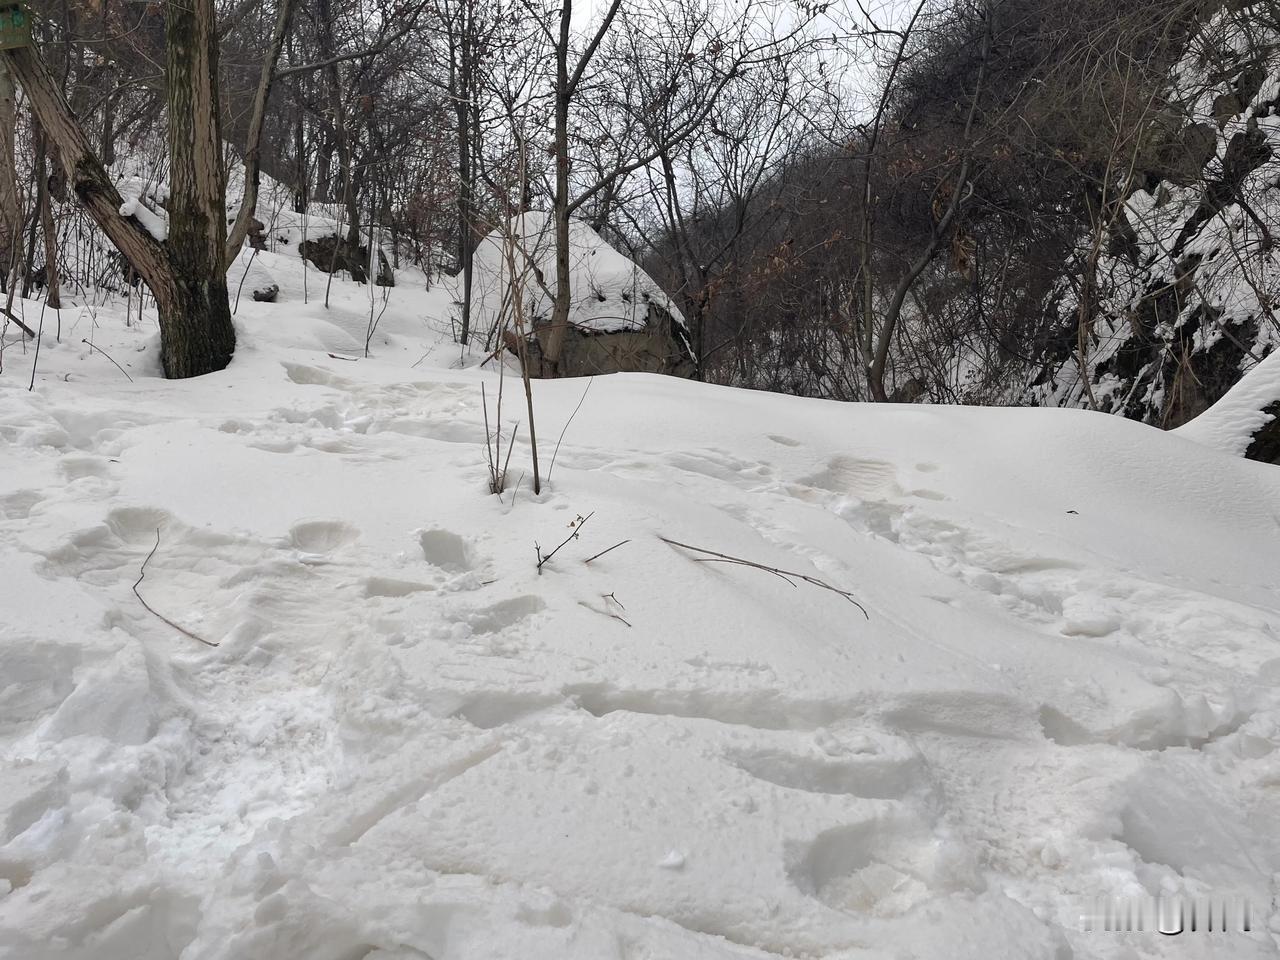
point(409, 742)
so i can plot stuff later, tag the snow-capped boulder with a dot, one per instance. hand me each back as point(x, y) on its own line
point(619, 318)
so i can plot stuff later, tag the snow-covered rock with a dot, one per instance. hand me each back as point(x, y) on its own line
point(610, 292)
point(1190, 284)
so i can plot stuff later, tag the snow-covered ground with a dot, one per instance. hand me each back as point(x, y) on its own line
point(410, 743)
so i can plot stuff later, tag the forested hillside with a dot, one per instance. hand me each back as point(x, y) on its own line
point(1001, 202)
point(434, 524)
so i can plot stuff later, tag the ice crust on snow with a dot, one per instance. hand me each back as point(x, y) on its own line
point(410, 743)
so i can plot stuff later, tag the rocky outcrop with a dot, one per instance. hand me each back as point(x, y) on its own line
point(329, 254)
point(1187, 304)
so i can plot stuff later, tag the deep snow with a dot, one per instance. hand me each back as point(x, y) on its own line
point(410, 743)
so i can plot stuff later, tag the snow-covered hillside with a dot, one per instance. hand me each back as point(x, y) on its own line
point(408, 742)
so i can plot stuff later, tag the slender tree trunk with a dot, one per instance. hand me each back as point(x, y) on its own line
point(350, 197)
point(107, 147)
point(200, 337)
point(879, 363)
point(463, 105)
point(253, 142)
point(53, 290)
point(33, 221)
point(553, 343)
point(10, 199)
point(84, 174)
point(301, 191)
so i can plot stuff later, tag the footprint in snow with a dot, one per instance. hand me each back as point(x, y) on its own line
point(446, 550)
point(320, 538)
point(885, 769)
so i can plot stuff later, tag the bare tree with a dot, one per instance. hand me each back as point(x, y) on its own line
point(185, 270)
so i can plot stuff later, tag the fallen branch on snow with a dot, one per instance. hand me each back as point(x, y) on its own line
point(713, 557)
point(142, 572)
point(603, 552)
point(108, 356)
point(21, 326)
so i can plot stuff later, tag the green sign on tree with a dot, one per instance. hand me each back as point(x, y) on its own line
point(15, 27)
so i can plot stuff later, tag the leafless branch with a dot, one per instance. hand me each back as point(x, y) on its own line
point(714, 557)
point(142, 572)
point(577, 528)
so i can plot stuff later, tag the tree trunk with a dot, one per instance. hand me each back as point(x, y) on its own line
point(10, 200)
point(53, 292)
point(253, 141)
point(108, 143)
point(553, 343)
point(301, 191)
point(200, 337)
point(463, 93)
point(84, 174)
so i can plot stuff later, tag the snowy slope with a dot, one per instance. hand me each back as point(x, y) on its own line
point(410, 743)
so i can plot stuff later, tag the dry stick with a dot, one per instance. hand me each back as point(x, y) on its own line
point(511, 445)
point(603, 552)
point(606, 597)
point(556, 452)
point(12, 316)
point(35, 362)
point(714, 557)
point(573, 536)
point(242, 279)
point(142, 572)
point(488, 443)
point(516, 492)
point(108, 356)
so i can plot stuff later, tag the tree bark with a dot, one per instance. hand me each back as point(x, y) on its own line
point(553, 341)
point(253, 142)
point(84, 174)
point(186, 278)
point(53, 290)
point(10, 199)
point(462, 69)
point(201, 338)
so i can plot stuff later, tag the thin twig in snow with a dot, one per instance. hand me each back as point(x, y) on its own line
point(242, 279)
point(108, 356)
point(577, 527)
point(603, 552)
point(555, 453)
point(142, 572)
point(713, 557)
point(35, 362)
